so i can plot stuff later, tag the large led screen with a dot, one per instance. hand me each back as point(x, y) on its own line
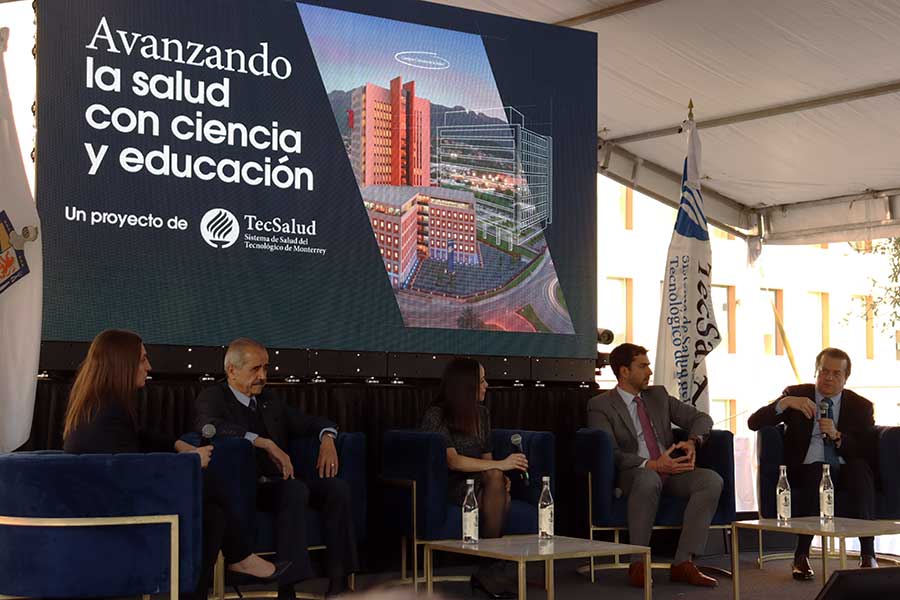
point(401, 176)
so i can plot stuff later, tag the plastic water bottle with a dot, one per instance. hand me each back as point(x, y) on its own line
point(470, 514)
point(545, 512)
point(783, 497)
point(826, 495)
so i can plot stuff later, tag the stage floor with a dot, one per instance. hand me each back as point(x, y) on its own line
point(772, 582)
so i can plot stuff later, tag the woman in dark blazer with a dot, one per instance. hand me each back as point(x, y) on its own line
point(102, 418)
point(463, 420)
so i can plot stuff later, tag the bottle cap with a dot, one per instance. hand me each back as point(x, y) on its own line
point(470, 482)
point(545, 479)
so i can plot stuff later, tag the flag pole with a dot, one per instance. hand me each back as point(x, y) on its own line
point(688, 331)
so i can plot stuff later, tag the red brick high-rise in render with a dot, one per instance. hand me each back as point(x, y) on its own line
point(390, 142)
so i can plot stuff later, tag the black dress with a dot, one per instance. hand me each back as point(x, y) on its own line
point(113, 431)
point(466, 444)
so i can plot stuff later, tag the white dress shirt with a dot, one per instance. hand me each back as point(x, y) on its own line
point(631, 405)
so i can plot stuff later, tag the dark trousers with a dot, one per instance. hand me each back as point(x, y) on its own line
point(222, 530)
point(289, 500)
point(855, 477)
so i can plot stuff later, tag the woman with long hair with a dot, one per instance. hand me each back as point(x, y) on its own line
point(460, 416)
point(102, 419)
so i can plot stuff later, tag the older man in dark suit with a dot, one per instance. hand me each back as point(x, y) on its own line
point(639, 418)
point(841, 438)
point(241, 407)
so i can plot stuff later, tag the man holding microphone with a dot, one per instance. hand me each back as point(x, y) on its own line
point(826, 424)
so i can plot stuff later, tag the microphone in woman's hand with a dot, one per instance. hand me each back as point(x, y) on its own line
point(516, 441)
point(207, 433)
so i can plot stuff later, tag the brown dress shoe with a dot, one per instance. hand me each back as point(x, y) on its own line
point(867, 561)
point(801, 569)
point(636, 574)
point(687, 572)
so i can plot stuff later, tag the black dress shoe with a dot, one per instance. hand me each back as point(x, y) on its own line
point(489, 587)
point(281, 567)
point(801, 569)
point(867, 561)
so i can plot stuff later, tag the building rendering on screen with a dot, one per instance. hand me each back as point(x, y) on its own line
point(507, 166)
point(390, 138)
point(415, 223)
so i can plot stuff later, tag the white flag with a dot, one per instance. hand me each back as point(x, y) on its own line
point(687, 324)
point(21, 280)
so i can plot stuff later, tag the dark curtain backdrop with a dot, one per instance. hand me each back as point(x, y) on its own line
point(372, 409)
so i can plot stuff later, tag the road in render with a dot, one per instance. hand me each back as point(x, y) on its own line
point(422, 310)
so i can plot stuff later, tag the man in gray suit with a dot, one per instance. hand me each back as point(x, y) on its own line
point(639, 418)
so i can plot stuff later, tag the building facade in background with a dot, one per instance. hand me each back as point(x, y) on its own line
point(820, 293)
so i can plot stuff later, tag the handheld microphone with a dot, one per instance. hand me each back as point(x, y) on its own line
point(207, 433)
point(823, 414)
point(516, 441)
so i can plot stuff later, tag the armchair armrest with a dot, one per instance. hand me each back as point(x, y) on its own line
point(888, 452)
point(351, 449)
point(108, 560)
point(717, 453)
point(400, 495)
point(594, 455)
point(769, 455)
point(89, 523)
point(540, 448)
point(420, 457)
point(233, 467)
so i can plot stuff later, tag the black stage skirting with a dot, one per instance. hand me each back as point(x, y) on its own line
point(372, 409)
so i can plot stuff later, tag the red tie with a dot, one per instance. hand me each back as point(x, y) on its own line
point(649, 436)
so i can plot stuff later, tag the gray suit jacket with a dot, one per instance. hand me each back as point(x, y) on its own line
point(609, 413)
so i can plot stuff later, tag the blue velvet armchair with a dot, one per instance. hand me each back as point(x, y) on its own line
point(415, 472)
point(99, 524)
point(608, 509)
point(234, 461)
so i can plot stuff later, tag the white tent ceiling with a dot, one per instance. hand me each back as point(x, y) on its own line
point(798, 103)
